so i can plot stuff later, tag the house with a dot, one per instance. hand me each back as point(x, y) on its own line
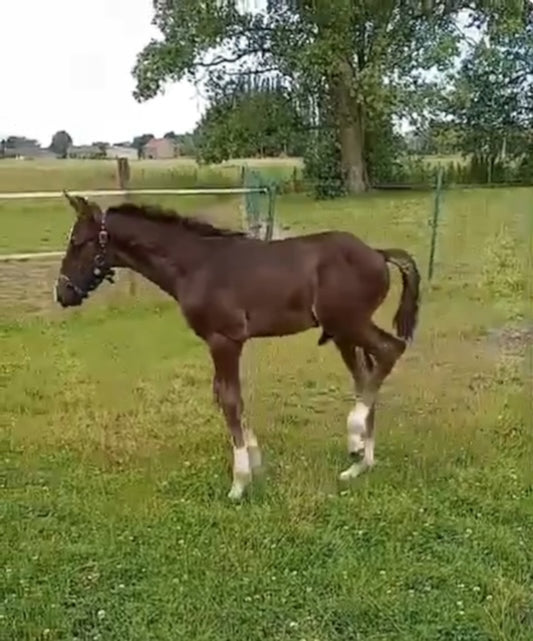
point(121, 151)
point(159, 148)
point(23, 149)
point(28, 153)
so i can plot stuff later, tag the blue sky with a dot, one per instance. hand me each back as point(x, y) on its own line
point(66, 64)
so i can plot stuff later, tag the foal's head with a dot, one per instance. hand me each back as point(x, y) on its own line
point(87, 259)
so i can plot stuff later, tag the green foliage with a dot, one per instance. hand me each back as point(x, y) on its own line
point(439, 137)
point(259, 122)
point(492, 100)
point(322, 165)
point(361, 57)
point(102, 147)
point(61, 143)
point(187, 145)
point(13, 142)
point(384, 150)
point(140, 141)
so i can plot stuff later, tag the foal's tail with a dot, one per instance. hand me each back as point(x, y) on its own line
point(406, 317)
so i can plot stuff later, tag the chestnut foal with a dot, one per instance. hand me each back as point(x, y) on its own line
point(232, 288)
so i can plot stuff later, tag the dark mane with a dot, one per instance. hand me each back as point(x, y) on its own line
point(171, 217)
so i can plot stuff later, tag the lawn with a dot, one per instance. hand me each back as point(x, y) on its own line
point(116, 465)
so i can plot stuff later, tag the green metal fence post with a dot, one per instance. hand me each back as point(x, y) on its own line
point(435, 223)
point(271, 209)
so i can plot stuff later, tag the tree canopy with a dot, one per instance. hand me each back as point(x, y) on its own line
point(346, 64)
point(61, 143)
point(255, 122)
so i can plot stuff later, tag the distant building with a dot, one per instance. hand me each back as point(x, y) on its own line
point(160, 148)
point(85, 152)
point(121, 151)
point(31, 153)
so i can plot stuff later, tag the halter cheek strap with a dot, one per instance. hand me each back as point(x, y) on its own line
point(101, 271)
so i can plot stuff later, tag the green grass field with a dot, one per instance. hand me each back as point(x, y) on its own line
point(115, 465)
point(181, 173)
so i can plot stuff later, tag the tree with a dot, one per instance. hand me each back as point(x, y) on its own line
point(260, 121)
point(358, 60)
point(492, 99)
point(439, 136)
point(13, 142)
point(102, 146)
point(187, 144)
point(140, 141)
point(61, 143)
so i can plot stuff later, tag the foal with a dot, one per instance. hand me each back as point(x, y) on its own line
point(232, 288)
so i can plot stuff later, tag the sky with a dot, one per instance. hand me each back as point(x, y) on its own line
point(66, 64)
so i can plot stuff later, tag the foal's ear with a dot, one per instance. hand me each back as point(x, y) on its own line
point(82, 206)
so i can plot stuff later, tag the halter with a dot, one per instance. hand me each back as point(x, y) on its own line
point(101, 271)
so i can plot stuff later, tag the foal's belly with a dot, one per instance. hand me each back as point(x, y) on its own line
point(283, 324)
point(278, 310)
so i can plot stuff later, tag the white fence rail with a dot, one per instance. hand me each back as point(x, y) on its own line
point(11, 258)
point(29, 195)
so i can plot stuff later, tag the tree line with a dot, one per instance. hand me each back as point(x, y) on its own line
point(334, 80)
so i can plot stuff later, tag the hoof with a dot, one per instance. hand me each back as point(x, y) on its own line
point(351, 473)
point(238, 487)
point(236, 493)
point(355, 470)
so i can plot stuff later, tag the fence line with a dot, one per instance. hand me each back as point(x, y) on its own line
point(123, 192)
point(8, 258)
point(19, 257)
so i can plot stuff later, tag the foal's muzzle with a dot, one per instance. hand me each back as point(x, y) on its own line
point(67, 294)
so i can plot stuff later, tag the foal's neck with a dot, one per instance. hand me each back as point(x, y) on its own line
point(163, 253)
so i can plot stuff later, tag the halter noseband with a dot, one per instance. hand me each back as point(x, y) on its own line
point(101, 271)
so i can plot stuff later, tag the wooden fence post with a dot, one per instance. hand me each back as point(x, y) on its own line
point(123, 180)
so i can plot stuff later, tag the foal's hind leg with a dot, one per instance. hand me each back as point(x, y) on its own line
point(385, 350)
point(360, 433)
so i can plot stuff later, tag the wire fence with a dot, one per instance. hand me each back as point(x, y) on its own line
point(27, 275)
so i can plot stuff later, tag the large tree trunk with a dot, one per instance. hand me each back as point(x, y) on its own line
point(351, 125)
point(352, 155)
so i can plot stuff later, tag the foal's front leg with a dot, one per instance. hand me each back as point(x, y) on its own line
point(227, 390)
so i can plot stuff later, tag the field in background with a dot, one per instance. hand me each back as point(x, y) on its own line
point(116, 466)
point(51, 175)
point(35, 175)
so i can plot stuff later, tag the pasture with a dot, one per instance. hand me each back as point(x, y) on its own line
point(115, 465)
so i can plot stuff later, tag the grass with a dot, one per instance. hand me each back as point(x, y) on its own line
point(43, 225)
point(115, 465)
point(181, 173)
